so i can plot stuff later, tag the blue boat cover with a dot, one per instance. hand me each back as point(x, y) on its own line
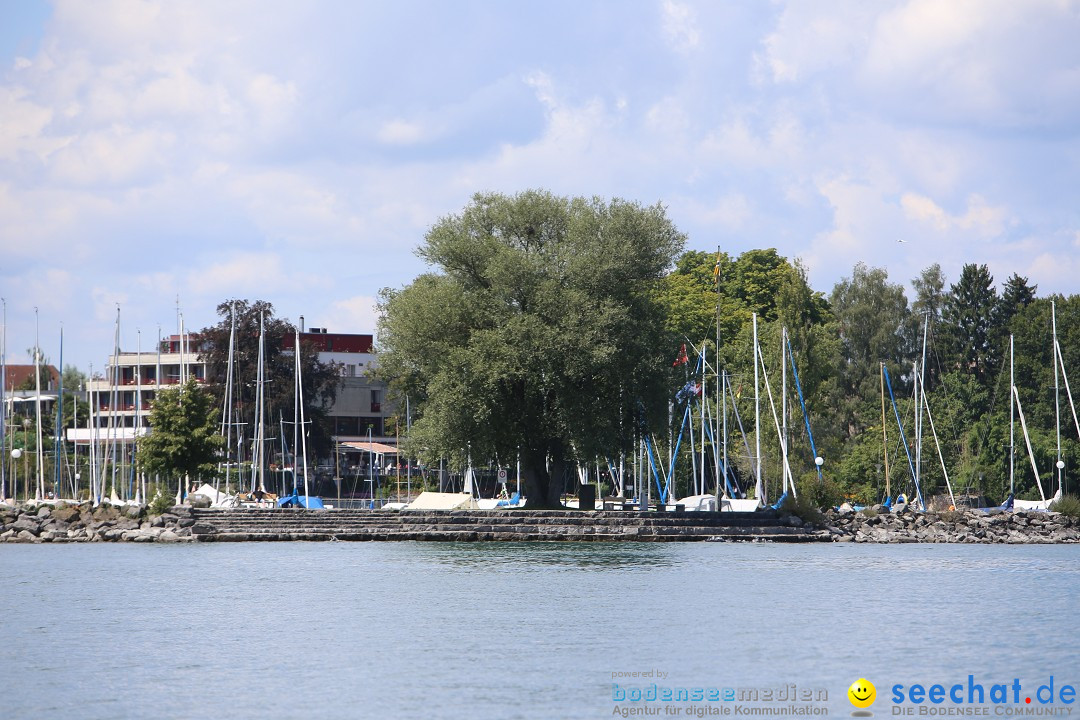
point(305, 501)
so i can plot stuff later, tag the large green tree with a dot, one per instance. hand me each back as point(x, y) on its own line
point(969, 317)
point(183, 440)
point(874, 323)
point(538, 331)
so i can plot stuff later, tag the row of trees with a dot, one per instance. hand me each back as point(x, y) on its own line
point(548, 326)
point(840, 342)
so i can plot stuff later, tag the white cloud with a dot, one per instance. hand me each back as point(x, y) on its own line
point(401, 132)
point(353, 315)
point(216, 150)
point(810, 38)
point(22, 123)
point(680, 25)
point(980, 217)
point(246, 274)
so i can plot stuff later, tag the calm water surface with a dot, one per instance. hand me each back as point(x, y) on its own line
point(493, 631)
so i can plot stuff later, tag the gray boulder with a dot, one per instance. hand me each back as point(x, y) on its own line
point(26, 523)
point(198, 501)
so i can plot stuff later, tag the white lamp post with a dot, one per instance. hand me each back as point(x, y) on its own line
point(15, 455)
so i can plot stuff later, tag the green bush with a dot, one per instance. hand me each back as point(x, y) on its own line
point(1067, 505)
point(824, 493)
point(161, 503)
point(804, 509)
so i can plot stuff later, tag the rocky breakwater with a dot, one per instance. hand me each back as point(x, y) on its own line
point(63, 523)
point(1014, 528)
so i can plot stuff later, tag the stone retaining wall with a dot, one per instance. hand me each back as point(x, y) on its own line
point(1018, 528)
point(62, 522)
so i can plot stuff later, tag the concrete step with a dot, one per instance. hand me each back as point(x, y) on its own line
point(232, 525)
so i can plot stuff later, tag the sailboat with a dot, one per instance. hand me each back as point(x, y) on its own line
point(1044, 503)
point(295, 499)
point(728, 502)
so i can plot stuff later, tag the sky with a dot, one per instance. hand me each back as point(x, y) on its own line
point(156, 155)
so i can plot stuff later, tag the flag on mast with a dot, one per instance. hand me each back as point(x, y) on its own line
point(681, 359)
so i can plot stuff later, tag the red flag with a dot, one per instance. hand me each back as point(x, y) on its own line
point(681, 359)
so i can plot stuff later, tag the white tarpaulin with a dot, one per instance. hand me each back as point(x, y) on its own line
point(442, 501)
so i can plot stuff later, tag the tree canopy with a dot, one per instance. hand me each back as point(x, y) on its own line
point(185, 441)
point(538, 331)
point(320, 380)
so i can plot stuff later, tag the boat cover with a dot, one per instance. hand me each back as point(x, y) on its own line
point(442, 501)
point(306, 501)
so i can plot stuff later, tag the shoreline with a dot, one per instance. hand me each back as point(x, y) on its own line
point(68, 523)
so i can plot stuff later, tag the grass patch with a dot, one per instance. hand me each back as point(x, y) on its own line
point(869, 512)
point(1067, 505)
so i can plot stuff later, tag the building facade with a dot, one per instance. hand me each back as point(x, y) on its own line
point(121, 400)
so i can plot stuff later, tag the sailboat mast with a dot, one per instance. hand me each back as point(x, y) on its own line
point(1057, 394)
point(920, 401)
point(720, 381)
point(724, 391)
point(759, 488)
point(1012, 421)
point(297, 429)
point(92, 432)
point(140, 479)
point(704, 400)
point(183, 354)
point(783, 385)
point(114, 400)
point(226, 411)
point(260, 409)
point(37, 410)
point(884, 434)
point(58, 440)
point(408, 461)
point(74, 447)
point(303, 430)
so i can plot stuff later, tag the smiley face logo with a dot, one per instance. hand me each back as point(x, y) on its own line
point(862, 693)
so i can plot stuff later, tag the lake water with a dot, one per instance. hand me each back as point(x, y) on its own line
point(500, 631)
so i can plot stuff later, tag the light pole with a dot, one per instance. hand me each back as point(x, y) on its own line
point(15, 455)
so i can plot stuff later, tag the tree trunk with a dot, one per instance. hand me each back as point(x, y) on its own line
point(542, 489)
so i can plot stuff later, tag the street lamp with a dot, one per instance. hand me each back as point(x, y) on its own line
point(15, 455)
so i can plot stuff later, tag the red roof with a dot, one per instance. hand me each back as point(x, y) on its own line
point(332, 342)
point(17, 374)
